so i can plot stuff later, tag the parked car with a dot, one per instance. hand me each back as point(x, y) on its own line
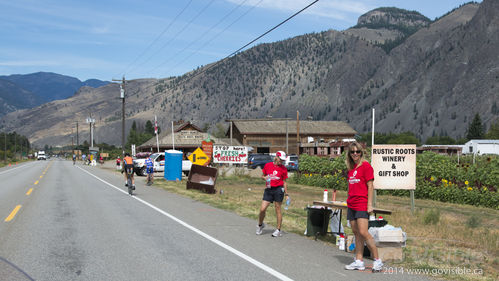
point(292, 163)
point(258, 160)
point(158, 160)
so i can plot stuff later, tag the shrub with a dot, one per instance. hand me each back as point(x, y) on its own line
point(473, 221)
point(431, 216)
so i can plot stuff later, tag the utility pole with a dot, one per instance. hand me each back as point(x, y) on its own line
point(298, 133)
point(122, 96)
point(77, 137)
point(5, 147)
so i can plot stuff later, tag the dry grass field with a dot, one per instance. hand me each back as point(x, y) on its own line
point(441, 237)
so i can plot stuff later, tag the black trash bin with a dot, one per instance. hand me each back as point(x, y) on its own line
point(317, 221)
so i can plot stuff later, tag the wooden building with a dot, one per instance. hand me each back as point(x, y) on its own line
point(441, 149)
point(187, 137)
point(322, 138)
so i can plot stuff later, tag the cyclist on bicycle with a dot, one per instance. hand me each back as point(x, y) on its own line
point(149, 170)
point(128, 165)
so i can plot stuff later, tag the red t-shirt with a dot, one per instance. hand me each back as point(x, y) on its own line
point(357, 186)
point(277, 174)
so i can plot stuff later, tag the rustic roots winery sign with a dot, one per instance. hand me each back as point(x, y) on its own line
point(394, 166)
point(230, 154)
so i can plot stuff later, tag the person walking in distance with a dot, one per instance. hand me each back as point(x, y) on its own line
point(275, 174)
point(359, 203)
point(149, 170)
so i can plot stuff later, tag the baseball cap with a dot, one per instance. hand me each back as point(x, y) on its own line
point(281, 155)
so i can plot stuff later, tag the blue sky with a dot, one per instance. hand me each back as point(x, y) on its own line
point(107, 39)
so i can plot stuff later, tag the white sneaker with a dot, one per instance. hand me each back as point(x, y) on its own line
point(377, 265)
point(356, 265)
point(259, 229)
point(277, 233)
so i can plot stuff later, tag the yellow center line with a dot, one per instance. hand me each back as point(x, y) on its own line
point(13, 214)
point(36, 182)
point(29, 191)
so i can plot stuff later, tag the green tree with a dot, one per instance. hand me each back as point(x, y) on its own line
point(404, 138)
point(475, 130)
point(149, 129)
point(493, 132)
point(219, 131)
point(440, 140)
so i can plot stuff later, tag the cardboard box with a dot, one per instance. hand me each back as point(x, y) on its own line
point(202, 178)
point(386, 235)
point(390, 244)
point(389, 253)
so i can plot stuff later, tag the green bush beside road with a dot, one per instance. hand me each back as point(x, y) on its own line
point(439, 178)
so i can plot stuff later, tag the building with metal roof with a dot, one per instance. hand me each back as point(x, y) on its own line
point(271, 135)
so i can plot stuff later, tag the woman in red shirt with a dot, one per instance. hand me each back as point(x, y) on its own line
point(360, 194)
point(275, 192)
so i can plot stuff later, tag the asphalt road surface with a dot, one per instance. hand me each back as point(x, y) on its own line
point(65, 222)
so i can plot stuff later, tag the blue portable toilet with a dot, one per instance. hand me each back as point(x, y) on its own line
point(173, 165)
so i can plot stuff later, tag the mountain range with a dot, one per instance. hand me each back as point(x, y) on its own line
point(423, 76)
point(19, 91)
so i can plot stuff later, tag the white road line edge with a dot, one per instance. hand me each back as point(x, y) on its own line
point(212, 239)
point(12, 169)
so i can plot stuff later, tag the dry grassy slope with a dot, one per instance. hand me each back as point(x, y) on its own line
point(444, 73)
point(330, 75)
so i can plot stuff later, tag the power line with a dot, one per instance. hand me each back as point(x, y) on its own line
point(204, 34)
point(177, 34)
point(238, 50)
point(214, 37)
point(159, 36)
point(252, 41)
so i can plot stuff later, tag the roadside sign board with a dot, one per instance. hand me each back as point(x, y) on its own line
point(394, 166)
point(198, 157)
point(207, 148)
point(230, 154)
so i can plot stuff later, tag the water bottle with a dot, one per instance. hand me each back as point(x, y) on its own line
point(288, 202)
point(342, 242)
point(267, 182)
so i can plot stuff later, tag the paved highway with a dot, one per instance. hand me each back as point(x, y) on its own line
point(65, 222)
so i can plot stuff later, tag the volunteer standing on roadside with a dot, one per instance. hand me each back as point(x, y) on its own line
point(359, 202)
point(275, 193)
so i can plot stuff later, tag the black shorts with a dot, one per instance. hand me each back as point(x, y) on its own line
point(273, 194)
point(353, 215)
point(129, 169)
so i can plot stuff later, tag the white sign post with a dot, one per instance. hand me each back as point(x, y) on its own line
point(395, 167)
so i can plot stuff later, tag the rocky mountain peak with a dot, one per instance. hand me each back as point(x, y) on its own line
point(395, 17)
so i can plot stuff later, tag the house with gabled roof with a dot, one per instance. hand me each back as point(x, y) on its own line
point(186, 137)
point(322, 138)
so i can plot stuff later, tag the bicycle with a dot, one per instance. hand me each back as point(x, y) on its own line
point(129, 171)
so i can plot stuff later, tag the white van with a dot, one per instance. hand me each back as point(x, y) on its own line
point(41, 155)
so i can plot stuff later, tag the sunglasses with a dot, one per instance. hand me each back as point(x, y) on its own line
point(355, 152)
